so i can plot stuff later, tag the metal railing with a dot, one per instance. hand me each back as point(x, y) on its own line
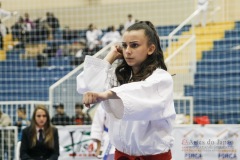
point(66, 86)
point(8, 142)
point(10, 108)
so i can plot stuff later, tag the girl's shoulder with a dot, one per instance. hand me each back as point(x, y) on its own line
point(54, 128)
point(160, 74)
point(27, 129)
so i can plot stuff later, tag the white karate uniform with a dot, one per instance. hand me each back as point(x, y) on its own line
point(112, 36)
point(4, 13)
point(140, 122)
point(92, 38)
point(99, 131)
point(99, 125)
point(203, 4)
point(128, 24)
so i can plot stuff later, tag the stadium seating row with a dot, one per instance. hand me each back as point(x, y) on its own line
point(216, 88)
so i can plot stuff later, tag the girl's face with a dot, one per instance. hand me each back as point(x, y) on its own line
point(40, 118)
point(136, 48)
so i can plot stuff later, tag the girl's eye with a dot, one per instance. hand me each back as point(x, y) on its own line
point(41, 116)
point(134, 45)
point(124, 45)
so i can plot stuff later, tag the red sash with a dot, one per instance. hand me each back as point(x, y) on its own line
point(162, 156)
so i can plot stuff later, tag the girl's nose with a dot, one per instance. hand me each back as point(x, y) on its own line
point(128, 50)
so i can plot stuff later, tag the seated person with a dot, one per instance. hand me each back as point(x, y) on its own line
point(92, 36)
point(81, 118)
point(5, 144)
point(60, 118)
point(111, 36)
point(22, 121)
point(5, 119)
point(40, 140)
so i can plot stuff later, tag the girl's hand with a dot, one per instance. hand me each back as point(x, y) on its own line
point(96, 97)
point(116, 52)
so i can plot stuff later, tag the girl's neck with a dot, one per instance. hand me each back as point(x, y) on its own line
point(135, 70)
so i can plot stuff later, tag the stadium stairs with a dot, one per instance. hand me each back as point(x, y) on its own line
point(22, 80)
point(216, 88)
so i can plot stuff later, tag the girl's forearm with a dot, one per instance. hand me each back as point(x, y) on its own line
point(110, 58)
point(110, 95)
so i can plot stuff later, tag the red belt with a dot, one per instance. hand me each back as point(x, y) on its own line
point(162, 156)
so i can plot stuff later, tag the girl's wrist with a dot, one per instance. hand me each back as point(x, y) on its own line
point(111, 95)
point(111, 57)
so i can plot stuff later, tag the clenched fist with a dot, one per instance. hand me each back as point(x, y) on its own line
point(96, 97)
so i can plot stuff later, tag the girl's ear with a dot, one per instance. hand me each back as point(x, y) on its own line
point(151, 49)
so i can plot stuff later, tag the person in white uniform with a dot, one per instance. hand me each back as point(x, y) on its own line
point(201, 19)
point(129, 22)
point(99, 133)
point(111, 36)
point(137, 95)
point(92, 36)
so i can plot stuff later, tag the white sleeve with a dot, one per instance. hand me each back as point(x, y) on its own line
point(97, 127)
point(151, 99)
point(88, 36)
point(4, 13)
point(94, 76)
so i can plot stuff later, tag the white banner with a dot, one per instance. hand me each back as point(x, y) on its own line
point(211, 142)
point(192, 142)
point(75, 143)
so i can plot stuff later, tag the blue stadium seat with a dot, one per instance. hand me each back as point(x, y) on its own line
point(213, 91)
point(216, 88)
point(227, 42)
point(166, 30)
point(22, 80)
point(209, 79)
point(232, 33)
point(237, 25)
point(220, 54)
point(59, 61)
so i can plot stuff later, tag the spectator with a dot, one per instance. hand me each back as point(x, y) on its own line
point(81, 118)
point(121, 29)
point(93, 35)
point(129, 22)
point(60, 118)
point(201, 18)
point(5, 120)
point(28, 22)
point(43, 29)
point(4, 13)
point(111, 36)
point(3, 28)
point(3, 32)
point(22, 121)
point(40, 140)
point(19, 30)
point(53, 23)
point(6, 136)
point(77, 49)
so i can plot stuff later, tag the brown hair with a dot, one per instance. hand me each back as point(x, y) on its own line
point(153, 61)
point(48, 128)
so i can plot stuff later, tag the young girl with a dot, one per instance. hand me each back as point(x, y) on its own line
point(138, 95)
point(40, 139)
